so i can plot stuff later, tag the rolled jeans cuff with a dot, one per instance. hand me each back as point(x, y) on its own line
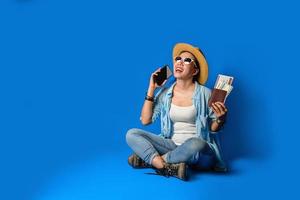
point(152, 157)
point(165, 157)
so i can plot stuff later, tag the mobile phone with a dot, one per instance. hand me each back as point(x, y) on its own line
point(162, 75)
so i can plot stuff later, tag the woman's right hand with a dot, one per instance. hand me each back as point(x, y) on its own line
point(153, 85)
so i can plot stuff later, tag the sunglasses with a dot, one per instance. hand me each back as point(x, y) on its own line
point(185, 60)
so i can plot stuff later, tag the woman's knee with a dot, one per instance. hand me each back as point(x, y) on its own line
point(196, 144)
point(132, 133)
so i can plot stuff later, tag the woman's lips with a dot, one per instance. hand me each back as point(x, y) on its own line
point(178, 69)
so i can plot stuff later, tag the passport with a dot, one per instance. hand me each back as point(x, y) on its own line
point(217, 95)
point(222, 89)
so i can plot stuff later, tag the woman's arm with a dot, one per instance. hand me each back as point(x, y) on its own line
point(147, 110)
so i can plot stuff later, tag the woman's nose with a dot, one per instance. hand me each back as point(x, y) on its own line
point(180, 63)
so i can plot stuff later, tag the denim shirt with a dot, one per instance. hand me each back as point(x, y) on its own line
point(204, 116)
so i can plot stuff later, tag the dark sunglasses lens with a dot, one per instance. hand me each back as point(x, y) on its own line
point(178, 58)
point(187, 60)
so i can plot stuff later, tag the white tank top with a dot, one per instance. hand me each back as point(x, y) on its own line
point(184, 126)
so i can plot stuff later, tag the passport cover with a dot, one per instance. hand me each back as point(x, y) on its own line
point(217, 95)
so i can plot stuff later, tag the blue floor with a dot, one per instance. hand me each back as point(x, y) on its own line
point(110, 177)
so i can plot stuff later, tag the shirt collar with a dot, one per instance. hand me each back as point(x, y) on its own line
point(195, 94)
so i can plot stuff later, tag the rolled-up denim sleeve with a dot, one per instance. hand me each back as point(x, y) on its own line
point(158, 102)
point(212, 116)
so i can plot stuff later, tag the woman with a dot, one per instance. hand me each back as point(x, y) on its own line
point(188, 125)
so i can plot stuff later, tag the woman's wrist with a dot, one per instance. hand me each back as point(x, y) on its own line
point(220, 120)
point(149, 98)
point(150, 92)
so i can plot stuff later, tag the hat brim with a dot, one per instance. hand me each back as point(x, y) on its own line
point(181, 47)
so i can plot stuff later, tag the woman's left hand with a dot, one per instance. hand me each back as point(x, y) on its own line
point(219, 109)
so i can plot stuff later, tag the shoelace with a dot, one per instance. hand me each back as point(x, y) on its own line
point(171, 170)
point(140, 162)
point(167, 171)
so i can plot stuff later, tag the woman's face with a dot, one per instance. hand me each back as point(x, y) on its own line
point(182, 68)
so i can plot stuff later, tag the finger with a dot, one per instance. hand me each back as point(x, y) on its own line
point(153, 77)
point(158, 70)
point(154, 74)
point(216, 112)
point(221, 106)
point(216, 108)
point(220, 103)
point(222, 112)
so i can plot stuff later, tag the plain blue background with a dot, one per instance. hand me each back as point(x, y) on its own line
point(73, 75)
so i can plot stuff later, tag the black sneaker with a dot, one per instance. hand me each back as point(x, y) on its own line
point(136, 162)
point(177, 170)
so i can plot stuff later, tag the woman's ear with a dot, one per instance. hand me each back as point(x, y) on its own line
point(196, 71)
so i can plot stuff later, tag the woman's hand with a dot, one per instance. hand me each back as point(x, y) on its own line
point(219, 109)
point(147, 110)
point(153, 85)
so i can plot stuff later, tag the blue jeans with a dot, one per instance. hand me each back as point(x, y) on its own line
point(148, 145)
